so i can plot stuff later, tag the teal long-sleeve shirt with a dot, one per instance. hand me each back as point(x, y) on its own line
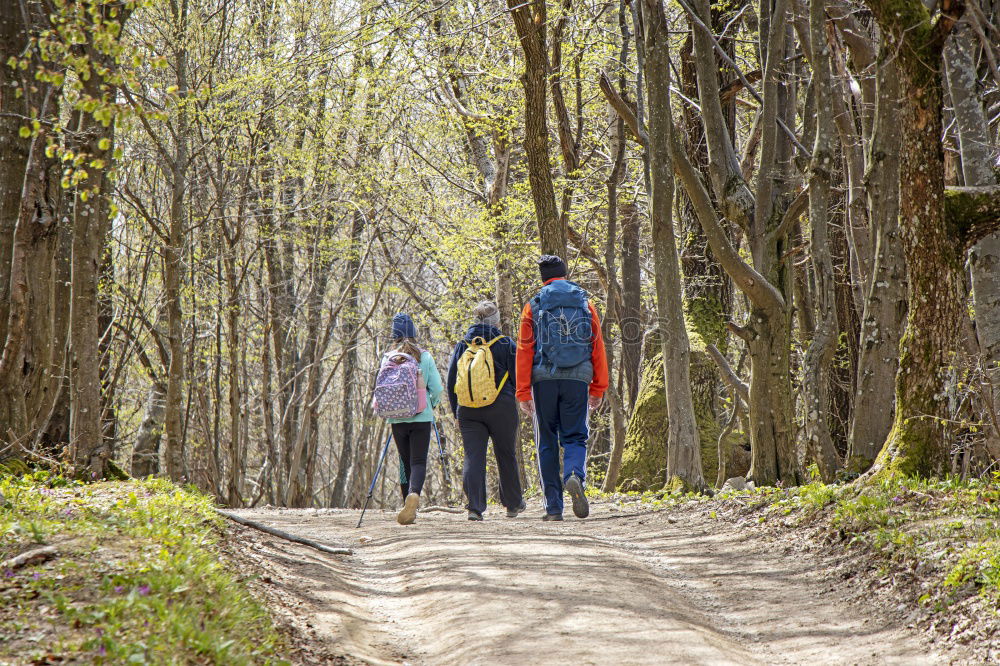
point(434, 390)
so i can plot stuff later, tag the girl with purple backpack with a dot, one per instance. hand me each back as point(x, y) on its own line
point(413, 434)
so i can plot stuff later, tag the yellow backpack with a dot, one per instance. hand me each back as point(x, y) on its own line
point(475, 380)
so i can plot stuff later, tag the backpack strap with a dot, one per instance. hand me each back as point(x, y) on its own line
point(490, 343)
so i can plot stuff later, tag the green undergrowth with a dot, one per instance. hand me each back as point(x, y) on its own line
point(138, 577)
point(946, 530)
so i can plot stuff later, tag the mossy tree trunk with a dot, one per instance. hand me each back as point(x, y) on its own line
point(708, 292)
point(765, 282)
point(917, 444)
point(644, 460)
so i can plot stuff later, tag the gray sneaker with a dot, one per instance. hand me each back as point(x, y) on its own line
point(475, 515)
point(552, 516)
point(581, 507)
point(513, 513)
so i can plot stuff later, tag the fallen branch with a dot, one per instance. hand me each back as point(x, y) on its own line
point(36, 556)
point(285, 535)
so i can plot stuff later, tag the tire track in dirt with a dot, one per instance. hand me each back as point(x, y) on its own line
point(617, 588)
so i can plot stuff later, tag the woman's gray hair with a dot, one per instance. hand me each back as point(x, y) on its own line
point(487, 313)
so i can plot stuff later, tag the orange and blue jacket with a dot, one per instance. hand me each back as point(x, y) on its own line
point(526, 353)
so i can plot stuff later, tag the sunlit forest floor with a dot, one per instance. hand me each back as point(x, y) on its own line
point(143, 572)
point(818, 574)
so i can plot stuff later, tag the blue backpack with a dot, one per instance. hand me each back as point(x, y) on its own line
point(563, 329)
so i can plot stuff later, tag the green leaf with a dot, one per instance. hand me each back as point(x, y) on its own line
point(25, 132)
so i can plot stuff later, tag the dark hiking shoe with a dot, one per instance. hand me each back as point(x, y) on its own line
point(475, 515)
point(409, 512)
point(552, 516)
point(581, 507)
point(513, 513)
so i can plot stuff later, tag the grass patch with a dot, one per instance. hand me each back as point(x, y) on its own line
point(948, 528)
point(139, 577)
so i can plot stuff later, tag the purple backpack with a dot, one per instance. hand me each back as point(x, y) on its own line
point(400, 391)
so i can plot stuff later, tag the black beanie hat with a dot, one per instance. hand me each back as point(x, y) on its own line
point(550, 266)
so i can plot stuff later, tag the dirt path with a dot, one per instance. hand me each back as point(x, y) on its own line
point(622, 587)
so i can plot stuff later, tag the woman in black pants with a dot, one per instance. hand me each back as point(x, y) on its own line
point(413, 435)
point(497, 420)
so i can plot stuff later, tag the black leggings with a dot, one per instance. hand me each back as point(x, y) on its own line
point(412, 441)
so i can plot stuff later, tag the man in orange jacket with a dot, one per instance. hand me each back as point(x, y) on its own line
point(562, 373)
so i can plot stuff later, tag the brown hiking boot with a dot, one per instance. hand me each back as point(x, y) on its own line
point(408, 514)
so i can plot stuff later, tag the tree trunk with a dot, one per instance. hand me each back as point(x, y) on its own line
point(530, 24)
point(14, 150)
point(106, 338)
point(632, 328)
point(146, 452)
point(172, 461)
point(56, 425)
point(352, 319)
point(302, 466)
point(501, 236)
point(29, 232)
point(707, 289)
point(683, 450)
point(237, 463)
point(766, 283)
point(918, 444)
point(90, 452)
point(884, 312)
point(614, 308)
point(824, 341)
point(978, 158)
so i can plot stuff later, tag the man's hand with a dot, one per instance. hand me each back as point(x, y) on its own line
point(594, 401)
point(527, 407)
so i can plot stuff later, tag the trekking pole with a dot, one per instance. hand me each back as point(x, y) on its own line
point(378, 469)
point(442, 454)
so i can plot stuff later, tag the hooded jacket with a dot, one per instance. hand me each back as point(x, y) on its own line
point(504, 353)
